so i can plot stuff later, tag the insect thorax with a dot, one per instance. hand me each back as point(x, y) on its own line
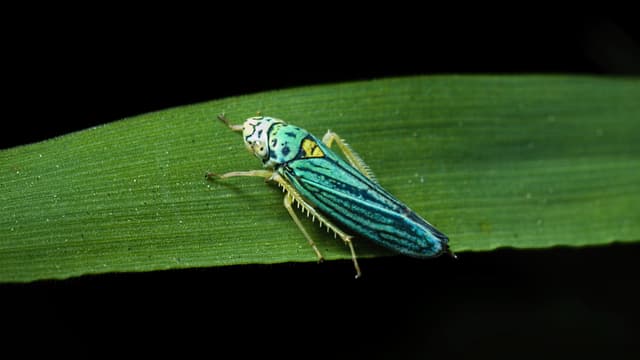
point(285, 143)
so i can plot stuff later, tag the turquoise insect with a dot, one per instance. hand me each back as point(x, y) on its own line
point(344, 196)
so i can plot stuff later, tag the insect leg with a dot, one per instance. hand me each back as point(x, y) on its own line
point(222, 118)
point(287, 205)
point(311, 211)
point(291, 197)
point(266, 174)
point(353, 158)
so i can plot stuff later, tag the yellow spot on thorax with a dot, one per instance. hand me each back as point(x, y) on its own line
point(311, 149)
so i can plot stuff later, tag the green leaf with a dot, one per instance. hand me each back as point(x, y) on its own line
point(493, 161)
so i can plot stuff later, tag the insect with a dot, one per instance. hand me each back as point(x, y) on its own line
point(344, 196)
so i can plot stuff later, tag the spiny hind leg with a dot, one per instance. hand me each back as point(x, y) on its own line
point(287, 205)
point(293, 196)
point(353, 158)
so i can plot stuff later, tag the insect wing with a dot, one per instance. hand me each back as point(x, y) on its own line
point(350, 198)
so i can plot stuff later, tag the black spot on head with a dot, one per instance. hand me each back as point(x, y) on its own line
point(285, 151)
point(274, 142)
point(290, 134)
point(260, 133)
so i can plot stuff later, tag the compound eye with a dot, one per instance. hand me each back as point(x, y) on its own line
point(260, 148)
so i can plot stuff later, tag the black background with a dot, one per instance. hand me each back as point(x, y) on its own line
point(65, 77)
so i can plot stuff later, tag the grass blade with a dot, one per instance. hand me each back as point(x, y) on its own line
point(493, 161)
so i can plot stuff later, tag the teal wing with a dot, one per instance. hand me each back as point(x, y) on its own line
point(359, 204)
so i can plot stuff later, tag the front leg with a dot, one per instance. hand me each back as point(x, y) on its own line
point(237, 128)
point(266, 174)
